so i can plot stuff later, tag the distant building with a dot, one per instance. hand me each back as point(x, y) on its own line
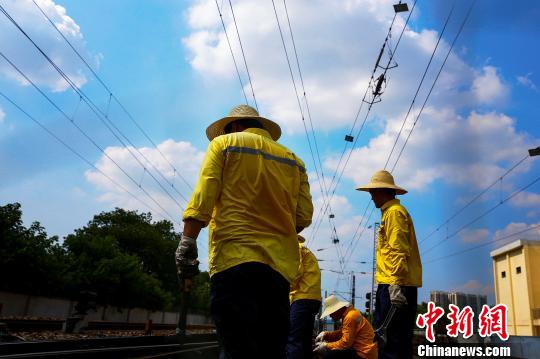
point(440, 298)
point(516, 269)
point(443, 299)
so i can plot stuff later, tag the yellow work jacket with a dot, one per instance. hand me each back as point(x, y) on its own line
point(355, 333)
point(398, 259)
point(308, 282)
point(253, 193)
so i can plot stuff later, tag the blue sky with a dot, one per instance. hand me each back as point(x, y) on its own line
point(169, 64)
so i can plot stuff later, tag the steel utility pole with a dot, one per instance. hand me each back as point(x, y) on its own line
point(373, 293)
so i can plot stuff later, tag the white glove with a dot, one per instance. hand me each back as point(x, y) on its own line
point(186, 253)
point(320, 337)
point(397, 298)
point(320, 348)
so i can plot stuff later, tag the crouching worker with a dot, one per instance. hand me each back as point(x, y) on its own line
point(355, 338)
point(305, 297)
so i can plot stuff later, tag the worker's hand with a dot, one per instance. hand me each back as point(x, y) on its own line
point(397, 297)
point(320, 337)
point(320, 348)
point(186, 253)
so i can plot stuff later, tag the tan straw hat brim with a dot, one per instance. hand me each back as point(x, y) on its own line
point(218, 128)
point(334, 308)
point(373, 185)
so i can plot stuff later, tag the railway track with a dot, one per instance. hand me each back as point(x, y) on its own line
point(201, 346)
point(31, 325)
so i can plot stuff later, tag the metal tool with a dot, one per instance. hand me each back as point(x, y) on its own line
point(380, 333)
point(185, 280)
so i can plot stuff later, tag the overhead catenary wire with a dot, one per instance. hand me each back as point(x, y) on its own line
point(90, 139)
point(475, 198)
point(421, 83)
point(483, 214)
point(324, 208)
point(112, 95)
point(321, 176)
point(458, 253)
point(295, 88)
point(80, 156)
point(232, 53)
point(441, 33)
point(433, 85)
point(243, 56)
point(103, 117)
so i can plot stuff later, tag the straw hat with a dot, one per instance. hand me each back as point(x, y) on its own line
point(239, 112)
point(382, 179)
point(332, 304)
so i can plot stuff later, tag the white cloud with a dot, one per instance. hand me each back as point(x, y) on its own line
point(526, 199)
point(488, 87)
point(16, 47)
point(183, 155)
point(473, 235)
point(336, 56)
point(2, 115)
point(527, 82)
point(516, 227)
point(444, 147)
point(474, 286)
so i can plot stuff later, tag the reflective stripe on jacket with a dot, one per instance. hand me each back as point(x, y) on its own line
point(253, 193)
point(355, 333)
point(398, 259)
point(308, 282)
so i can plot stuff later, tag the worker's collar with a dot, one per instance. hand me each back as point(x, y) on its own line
point(389, 203)
point(349, 308)
point(258, 131)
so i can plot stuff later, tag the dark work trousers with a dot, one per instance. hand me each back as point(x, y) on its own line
point(341, 354)
point(250, 307)
point(400, 330)
point(303, 312)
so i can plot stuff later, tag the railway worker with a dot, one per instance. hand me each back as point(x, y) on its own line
point(354, 339)
point(399, 269)
point(254, 194)
point(305, 297)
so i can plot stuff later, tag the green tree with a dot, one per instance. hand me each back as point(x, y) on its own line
point(96, 263)
point(31, 262)
point(132, 237)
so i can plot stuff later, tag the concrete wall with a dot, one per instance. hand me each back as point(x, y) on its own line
point(21, 305)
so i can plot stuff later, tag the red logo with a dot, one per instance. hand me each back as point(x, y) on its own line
point(490, 321)
point(460, 321)
point(429, 319)
point(494, 321)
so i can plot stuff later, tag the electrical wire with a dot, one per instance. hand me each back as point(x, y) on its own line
point(480, 194)
point(232, 53)
point(324, 208)
point(458, 253)
point(79, 155)
point(103, 117)
point(421, 83)
point(313, 155)
point(244, 56)
point(485, 213)
point(432, 86)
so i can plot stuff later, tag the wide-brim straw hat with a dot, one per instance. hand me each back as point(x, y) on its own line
point(239, 112)
point(332, 304)
point(382, 179)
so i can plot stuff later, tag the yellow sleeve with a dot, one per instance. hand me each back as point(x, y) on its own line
point(304, 208)
point(208, 186)
point(398, 239)
point(348, 334)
